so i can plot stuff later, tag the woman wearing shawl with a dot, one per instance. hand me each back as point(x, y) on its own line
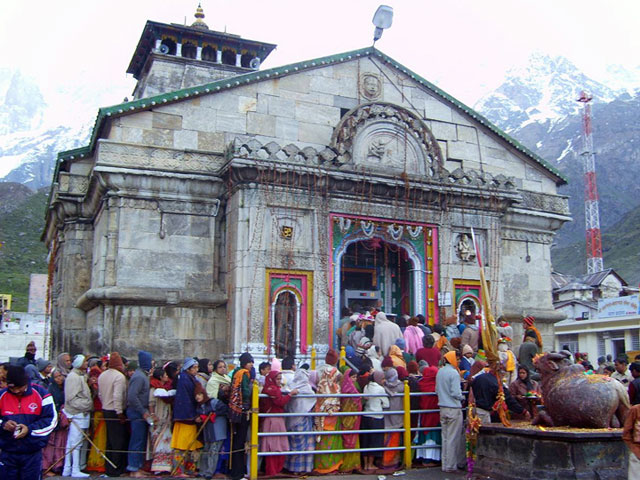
point(396, 356)
point(218, 377)
point(161, 394)
point(393, 386)
point(205, 367)
point(402, 345)
point(351, 461)
point(328, 383)
point(184, 438)
point(275, 403)
point(413, 336)
point(522, 386)
point(58, 439)
point(239, 403)
point(300, 443)
point(63, 364)
point(374, 356)
point(430, 440)
point(218, 388)
point(95, 461)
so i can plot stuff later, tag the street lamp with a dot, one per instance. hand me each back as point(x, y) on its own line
point(382, 19)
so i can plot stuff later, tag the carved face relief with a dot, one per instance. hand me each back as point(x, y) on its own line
point(371, 86)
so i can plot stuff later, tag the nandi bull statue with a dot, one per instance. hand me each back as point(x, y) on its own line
point(578, 400)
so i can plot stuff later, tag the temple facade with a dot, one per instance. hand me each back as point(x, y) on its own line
point(229, 209)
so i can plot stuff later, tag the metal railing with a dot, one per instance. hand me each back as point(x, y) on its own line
point(406, 429)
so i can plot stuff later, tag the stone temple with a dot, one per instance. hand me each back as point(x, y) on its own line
point(229, 209)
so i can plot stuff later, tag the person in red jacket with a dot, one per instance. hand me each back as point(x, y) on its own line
point(274, 404)
point(28, 417)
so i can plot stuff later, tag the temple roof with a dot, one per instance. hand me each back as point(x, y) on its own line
point(278, 72)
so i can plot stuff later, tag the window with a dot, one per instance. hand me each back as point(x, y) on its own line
point(569, 342)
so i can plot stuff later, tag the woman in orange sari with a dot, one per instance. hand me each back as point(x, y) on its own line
point(328, 382)
point(95, 461)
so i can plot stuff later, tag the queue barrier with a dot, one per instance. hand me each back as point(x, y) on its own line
point(406, 429)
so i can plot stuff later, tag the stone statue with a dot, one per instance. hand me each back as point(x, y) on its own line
point(573, 398)
point(463, 248)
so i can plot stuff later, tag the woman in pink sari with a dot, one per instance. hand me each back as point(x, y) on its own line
point(351, 461)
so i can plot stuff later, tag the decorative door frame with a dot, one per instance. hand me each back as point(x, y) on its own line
point(300, 284)
point(419, 240)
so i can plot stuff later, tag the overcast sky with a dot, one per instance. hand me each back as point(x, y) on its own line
point(464, 46)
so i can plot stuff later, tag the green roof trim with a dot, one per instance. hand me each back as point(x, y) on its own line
point(248, 78)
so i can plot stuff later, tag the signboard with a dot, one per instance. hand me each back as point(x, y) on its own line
point(444, 299)
point(618, 306)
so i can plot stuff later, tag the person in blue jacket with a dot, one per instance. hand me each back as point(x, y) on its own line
point(28, 417)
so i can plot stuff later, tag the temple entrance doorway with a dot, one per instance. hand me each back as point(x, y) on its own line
point(375, 273)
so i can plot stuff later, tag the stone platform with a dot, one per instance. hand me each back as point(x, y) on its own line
point(529, 453)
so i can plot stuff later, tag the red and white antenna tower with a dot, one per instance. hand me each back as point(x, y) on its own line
point(591, 209)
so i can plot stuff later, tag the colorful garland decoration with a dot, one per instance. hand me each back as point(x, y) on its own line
point(471, 438)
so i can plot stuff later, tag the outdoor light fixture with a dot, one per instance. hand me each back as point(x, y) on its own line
point(382, 19)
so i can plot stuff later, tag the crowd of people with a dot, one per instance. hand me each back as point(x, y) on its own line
point(140, 418)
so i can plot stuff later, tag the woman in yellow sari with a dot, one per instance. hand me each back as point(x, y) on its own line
point(95, 461)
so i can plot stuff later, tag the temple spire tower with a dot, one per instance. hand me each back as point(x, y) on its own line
point(171, 57)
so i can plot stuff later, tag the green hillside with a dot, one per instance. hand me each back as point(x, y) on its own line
point(620, 251)
point(22, 253)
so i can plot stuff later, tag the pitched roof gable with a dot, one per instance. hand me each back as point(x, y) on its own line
point(277, 72)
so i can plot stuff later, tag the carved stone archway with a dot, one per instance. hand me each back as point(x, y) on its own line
point(366, 130)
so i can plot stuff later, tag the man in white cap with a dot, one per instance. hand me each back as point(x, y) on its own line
point(77, 407)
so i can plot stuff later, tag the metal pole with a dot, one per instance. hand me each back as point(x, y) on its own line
point(313, 358)
point(343, 356)
point(253, 462)
point(407, 426)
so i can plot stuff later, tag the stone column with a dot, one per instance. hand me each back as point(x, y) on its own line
point(158, 44)
point(218, 56)
point(75, 259)
point(199, 53)
point(238, 60)
point(178, 49)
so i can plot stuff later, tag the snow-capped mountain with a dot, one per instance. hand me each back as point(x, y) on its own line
point(34, 152)
point(39, 121)
point(31, 134)
point(543, 91)
point(537, 105)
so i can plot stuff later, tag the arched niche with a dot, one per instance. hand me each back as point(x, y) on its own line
point(189, 50)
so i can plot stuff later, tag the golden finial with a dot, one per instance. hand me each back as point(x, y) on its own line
point(199, 23)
